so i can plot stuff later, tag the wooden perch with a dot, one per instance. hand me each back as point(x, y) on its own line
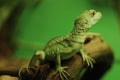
point(96, 48)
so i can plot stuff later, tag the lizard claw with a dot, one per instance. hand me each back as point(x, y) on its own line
point(64, 75)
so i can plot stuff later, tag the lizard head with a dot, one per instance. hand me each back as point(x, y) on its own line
point(88, 18)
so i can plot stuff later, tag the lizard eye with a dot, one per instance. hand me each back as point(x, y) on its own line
point(92, 12)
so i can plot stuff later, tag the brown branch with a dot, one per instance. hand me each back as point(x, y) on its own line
point(97, 49)
point(11, 66)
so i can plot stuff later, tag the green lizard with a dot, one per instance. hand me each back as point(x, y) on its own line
point(64, 47)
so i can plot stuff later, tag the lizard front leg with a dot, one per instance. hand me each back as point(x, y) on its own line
point(60, 70)
point(86, 58)
point(89, 34)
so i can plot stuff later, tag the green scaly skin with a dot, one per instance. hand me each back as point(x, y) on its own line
point(64, 47)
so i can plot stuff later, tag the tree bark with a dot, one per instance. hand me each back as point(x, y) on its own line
point(96, 48)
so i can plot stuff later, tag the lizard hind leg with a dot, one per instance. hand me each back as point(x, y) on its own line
point(36, 59)
point(34, 62)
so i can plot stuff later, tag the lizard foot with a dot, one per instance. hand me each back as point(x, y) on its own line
point(64, 75)
point(88, 59)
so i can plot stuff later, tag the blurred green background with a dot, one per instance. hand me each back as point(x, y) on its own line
point(51, 18)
